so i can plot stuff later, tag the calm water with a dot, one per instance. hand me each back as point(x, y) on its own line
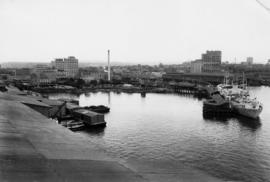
point(171, 128)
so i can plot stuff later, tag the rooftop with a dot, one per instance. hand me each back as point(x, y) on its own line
point(86, 112)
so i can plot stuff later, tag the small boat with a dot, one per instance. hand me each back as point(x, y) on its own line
point(99, 109)
point(76, 126)
point(73, 125)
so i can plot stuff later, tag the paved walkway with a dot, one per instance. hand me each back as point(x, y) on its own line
point(34, 148)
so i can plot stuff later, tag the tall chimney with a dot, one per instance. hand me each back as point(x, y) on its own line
point(109, 67)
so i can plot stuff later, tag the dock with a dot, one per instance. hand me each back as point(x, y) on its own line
point(35, 148)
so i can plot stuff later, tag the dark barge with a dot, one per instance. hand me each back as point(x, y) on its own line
point(89, 118)
point(217, 106)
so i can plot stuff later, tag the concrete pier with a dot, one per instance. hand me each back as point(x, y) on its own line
point(34, 148)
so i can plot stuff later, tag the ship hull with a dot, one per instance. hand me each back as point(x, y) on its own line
point(251, 113)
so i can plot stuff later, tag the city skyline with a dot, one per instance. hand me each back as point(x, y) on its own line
point(135, 32)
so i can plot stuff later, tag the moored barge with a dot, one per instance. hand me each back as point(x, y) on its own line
point(89, 118)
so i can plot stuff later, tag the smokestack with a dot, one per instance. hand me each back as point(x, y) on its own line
point(109, 67)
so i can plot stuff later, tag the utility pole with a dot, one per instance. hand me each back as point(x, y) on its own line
point(109, 67)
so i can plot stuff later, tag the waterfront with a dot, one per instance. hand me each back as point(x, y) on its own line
point(170, 128)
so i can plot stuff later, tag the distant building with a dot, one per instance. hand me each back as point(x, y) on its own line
point(211, 62)
point(53, 64)
point(39, 68)
point(48, 76)
point(88, 75)
point(213, 78)
point(43, 74)
point(68, 65)
point(249, 60)
point(185, 67)
point(23, 74)
point(60, 74)
point(196, 66)
point(71, 66)
point(58, 64)
point(157, 74)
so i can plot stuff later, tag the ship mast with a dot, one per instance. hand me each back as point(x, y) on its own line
point(109, 67)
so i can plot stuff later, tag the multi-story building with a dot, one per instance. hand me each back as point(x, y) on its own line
point(249, 60)
point(59, 64)
point(60, 74)
point(42, 73)
point(211, 62)
point(196, 66)
point(69, 66)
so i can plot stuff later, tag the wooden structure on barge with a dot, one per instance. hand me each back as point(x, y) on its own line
point(89, 118)
point(216, 106)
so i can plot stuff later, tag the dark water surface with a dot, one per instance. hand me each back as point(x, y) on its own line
point(166, 127)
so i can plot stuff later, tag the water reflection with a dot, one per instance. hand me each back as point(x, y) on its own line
point(143, 94)
point(216, 118)
point(96, 131)
point(109, 98)
point(252, 124)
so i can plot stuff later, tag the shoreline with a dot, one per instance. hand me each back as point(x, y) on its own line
point(204, 93)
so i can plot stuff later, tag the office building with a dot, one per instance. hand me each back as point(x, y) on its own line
point(211, 62)
point(68, 66)
point(71, 66)
point(196, 66)
point(249, 60)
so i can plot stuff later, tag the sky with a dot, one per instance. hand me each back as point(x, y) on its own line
point(136, 31)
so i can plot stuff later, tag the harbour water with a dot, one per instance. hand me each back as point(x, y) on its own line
point(171, 128)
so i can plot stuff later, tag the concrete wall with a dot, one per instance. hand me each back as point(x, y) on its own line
point(41, 109)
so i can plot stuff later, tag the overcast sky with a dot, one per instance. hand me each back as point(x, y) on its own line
point(145, 31)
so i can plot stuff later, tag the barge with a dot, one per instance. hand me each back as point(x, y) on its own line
point(216, 106)
point(89, 118)
point(99, 109)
